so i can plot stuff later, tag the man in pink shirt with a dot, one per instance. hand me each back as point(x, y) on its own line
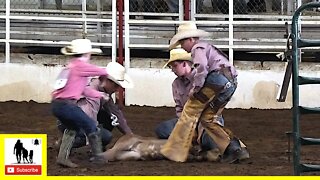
point(181, 64)
point(70, 86)
point(213, 84)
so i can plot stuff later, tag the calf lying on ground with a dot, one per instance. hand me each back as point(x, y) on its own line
point(134, 147)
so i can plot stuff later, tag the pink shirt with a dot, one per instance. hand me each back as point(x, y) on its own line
point(78, 80)
point(181, 87)
point(207, 58)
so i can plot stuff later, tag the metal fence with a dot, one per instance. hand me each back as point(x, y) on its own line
point(254, 25)
point(25, 23)
point(242, 25)
point(161, 6)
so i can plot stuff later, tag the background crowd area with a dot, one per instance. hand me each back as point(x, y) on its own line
point(285, 7)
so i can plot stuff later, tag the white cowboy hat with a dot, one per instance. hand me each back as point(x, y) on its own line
point(117, 73)
point(187, 30)
point(80, 46)
point(178, 54)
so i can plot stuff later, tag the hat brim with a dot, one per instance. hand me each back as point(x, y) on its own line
point(92, 51)
point(126, 83)
point(174, 42)
point(183, 57)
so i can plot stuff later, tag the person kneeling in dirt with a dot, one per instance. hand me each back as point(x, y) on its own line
point(106, 114)
point(181, 64)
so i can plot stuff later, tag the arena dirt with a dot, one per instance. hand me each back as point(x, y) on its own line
point(263, 131)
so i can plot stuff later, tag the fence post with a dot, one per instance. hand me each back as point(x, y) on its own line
point(120, 4)
point(84, 23)
point(186, 10)
point(7, 31)
point(231, 31)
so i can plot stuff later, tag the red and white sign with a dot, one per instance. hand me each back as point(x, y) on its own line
point(23, 170)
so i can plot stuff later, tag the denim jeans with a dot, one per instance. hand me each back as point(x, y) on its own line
point(73, 117)
point(219, 80)
point(164, 129)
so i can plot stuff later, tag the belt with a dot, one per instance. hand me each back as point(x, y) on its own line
point(69, 101)
point(226, 71)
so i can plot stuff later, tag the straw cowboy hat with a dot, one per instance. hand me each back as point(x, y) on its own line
point(117, 73)
point(178, 54)
point(187, 30)
point(80, 46)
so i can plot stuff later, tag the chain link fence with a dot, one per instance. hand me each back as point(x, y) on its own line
point(156, 6)
point(58, 4)
point(283, 7)
point(244, 6)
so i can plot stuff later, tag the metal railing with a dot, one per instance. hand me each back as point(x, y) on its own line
point(58, 27)
point(256, 30)
point(150, 24)
point(297, 43)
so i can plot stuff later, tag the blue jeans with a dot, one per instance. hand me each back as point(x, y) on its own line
point(164, 129)
point(73, 117)
point(219, 81)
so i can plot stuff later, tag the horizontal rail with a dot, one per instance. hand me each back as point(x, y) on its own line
point(308, 43)
point(160, 46)
point(309, 141)
point(309, 110)
point(49, 42)
point(146, 21)
point(56, 11)
point(252, 16)
point(222, 39)
point(56, 18)
point(308, 80)
point(309, 167)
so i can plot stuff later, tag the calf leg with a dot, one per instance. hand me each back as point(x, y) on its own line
point(121, 150)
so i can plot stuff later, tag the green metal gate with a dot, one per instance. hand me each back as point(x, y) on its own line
point(297, 80)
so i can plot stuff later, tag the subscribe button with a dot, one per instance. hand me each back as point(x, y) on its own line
point(23, 170)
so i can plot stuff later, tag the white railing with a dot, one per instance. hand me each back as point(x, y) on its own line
point(231, 39)
point(82, 17)
point(226, 35)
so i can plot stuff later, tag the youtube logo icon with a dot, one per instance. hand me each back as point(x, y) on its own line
point(23, 170)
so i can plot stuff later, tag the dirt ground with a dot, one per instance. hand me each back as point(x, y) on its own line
point(262, 130)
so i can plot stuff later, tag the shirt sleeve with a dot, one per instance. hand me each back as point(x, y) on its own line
point(200, 62)
point(90, 92)
point(177, 98)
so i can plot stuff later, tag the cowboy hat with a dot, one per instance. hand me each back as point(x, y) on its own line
point(80, 46)
point(117, 73)
point(187, 30)
point(178, 54)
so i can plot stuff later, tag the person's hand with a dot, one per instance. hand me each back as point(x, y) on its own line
point(105, 97)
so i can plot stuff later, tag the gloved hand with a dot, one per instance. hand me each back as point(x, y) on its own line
point(105, 97)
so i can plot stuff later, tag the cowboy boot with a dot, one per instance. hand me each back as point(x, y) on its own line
point(233, 152)
point(244, 154)
point(244, 151)
point(96, 147)
point(65, 148)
